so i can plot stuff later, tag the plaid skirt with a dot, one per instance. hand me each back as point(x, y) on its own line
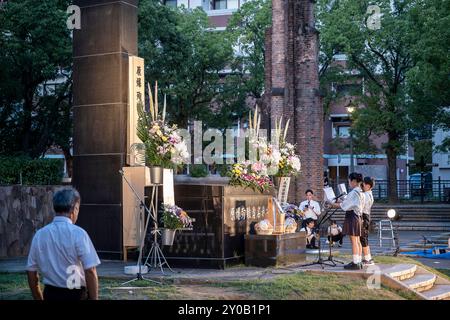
point(352, 224)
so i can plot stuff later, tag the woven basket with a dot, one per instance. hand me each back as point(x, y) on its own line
point(290, 229)
point(264, 232)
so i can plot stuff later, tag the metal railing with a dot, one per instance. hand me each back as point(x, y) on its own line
point(412, 190)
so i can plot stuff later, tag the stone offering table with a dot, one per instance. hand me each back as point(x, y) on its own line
point(274, 250)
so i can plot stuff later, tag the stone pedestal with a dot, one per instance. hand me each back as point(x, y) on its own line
point(101, 49)
point(223, 215)
point(274, 250)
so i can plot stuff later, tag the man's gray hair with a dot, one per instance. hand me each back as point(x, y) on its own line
point(64, 200)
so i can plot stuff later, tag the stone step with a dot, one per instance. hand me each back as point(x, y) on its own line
point(437, 292)
point(401, 271)
point(421, 282)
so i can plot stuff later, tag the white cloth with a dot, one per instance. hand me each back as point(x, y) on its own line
point(334, 230)
point(308, 230)
point(313, 210)
point(368, 202)
point(61, 251)
point(354, 201)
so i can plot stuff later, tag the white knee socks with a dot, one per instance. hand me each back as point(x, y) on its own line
point(357, 259)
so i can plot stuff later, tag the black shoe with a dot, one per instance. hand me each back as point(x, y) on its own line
point(368, 263)
point(353, 266)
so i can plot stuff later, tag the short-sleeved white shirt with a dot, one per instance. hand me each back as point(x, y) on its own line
point(354, 201)
point(368, 202)
point(61, 251)
point(334, 231)
point(313, 210)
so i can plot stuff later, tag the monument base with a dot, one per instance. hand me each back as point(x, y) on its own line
point(275, 250)
point(223, 215)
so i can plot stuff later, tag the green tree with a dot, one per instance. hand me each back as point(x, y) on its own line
point(384, 57)
point(35, 50)
point(247, 29)
point(185, 55)
point(428, 82)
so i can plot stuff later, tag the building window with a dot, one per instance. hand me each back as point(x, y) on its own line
point(219, 4)
point(448, 159)
point(170, 3)
point(341, 131)
point(233, 4)
point(349, 89)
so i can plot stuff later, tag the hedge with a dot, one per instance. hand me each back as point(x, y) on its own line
point(34, 171)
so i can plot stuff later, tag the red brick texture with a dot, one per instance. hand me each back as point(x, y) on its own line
point(292, 87)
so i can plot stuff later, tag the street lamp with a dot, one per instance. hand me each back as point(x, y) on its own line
point(391, 213)
point(350, 109)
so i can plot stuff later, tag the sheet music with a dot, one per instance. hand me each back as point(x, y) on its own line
point(329, 194)
point(342, 189)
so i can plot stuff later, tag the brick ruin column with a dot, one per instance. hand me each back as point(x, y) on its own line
point(294, 87)
point(278, 58)
point(308, 106)
point(267, 96)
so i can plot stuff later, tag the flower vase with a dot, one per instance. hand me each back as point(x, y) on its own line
point(168, 236)
point(156, 174)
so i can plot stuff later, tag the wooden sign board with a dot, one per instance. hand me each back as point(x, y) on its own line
point(133, 216)
point(283, 190)
point(275, 215)
point(136, 82)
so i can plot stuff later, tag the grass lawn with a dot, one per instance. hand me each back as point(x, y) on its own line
point(296, 286)
point(299, 286)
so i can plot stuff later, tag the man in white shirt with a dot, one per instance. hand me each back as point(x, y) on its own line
point(64, 254)
point(309, 207)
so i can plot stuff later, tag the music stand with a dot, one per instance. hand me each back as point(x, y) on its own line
point(330, 261)
point(142, 205)
point(330, 254)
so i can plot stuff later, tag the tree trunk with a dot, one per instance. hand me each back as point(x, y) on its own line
point(69, 161)
point(392, 175)
point(27, 113)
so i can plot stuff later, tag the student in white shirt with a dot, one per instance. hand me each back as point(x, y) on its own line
point(309, 207)
point(63, 253)
point(367, 186)
point(335, 233)
point(352, 205)
point(310, 234)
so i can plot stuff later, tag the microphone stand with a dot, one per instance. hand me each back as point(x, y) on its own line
point(330, 254)
point(139, 275)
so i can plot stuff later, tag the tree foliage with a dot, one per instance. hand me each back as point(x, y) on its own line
point(384, 56)
point(186, 57)
point(35, 49)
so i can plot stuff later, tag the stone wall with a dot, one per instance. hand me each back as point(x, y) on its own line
point(23, 210)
